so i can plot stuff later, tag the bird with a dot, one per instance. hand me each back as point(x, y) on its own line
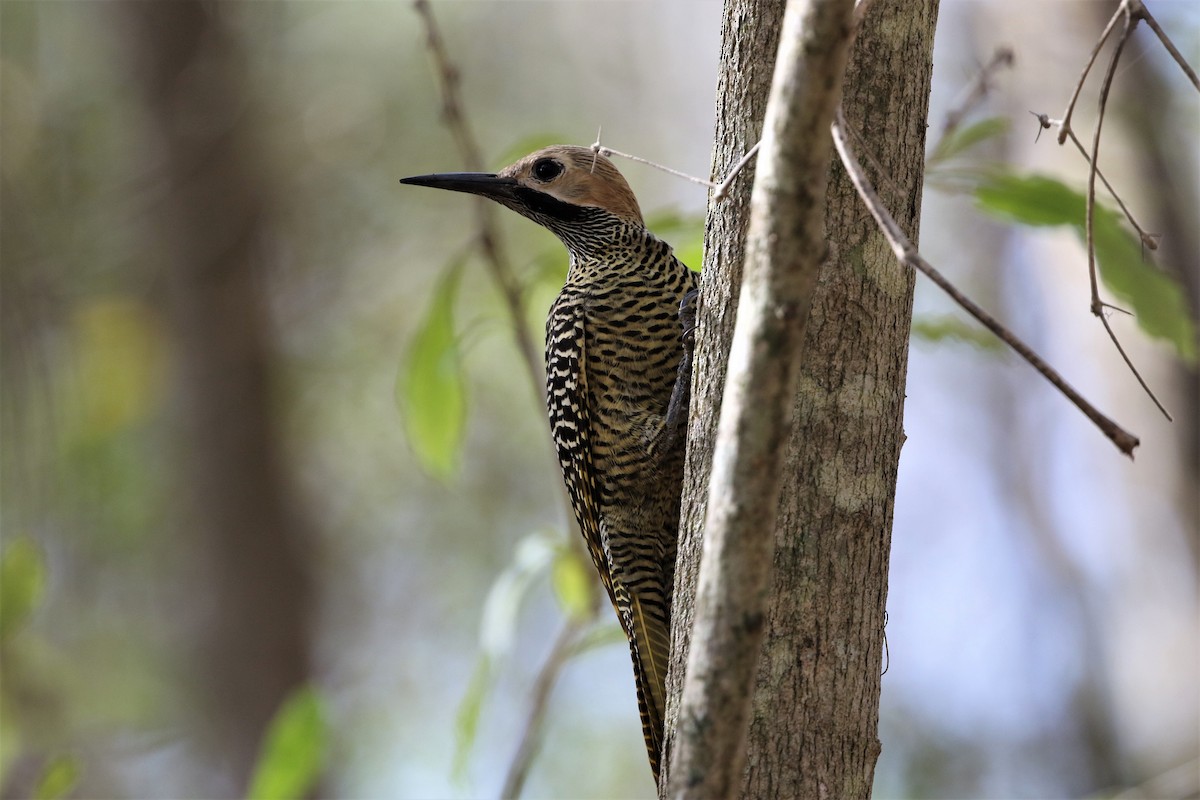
point(619, 345)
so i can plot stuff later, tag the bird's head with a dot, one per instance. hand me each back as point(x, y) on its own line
point(562, 187)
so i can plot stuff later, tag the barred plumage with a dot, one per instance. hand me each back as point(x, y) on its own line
point(617, 375)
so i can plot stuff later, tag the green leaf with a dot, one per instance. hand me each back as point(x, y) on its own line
point(948, 328)
point(963, 139)
point(22, 584)
point(58, 778)
point(466, 721)
point(1030, 200)
point(1155, 298)
point(573, 584)
point(293, 752)
point(430, 388)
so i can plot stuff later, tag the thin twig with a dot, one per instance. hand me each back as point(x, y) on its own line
point(1149, 240)
point(1099, 306)
point(488, 232)
point(723, 186)
point(1140, 11)
point(1066, 118)
point(720, 190)
point(976, 90)
point(607, 152)
point(543, 685)
point(908, 255)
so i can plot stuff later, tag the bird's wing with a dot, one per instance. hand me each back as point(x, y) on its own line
point(571, 425)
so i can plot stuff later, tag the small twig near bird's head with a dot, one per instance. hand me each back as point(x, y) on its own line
point(608, 152)
point(720, 190)
point(494, 255)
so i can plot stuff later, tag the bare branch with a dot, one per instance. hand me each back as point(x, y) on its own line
point(977, 89)
point(908, 255)
point(1128, 361)
point(608, 152)
point(488, 233)
point(1066, 119)
point(543, 685)
point(1097, 305)
point(1149, 240)
point(1092, 168)
point(1139, 10)
point(723, 186)
point(882, 174)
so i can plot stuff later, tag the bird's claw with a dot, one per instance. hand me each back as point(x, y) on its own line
point(687, 316)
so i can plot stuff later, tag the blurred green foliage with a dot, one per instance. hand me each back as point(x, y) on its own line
point(294, 749)
point(959, 141)
point(22, 584)
point(59, 777)
point(431, 389)
point(945, 328)
point(574, 582)
point(1155, 298)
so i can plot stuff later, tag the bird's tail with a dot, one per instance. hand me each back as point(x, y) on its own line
point(649, 644)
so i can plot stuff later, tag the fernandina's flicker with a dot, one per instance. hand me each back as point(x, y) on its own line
point(618, 372)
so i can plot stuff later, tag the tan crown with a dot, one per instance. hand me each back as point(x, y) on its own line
point(587, 179)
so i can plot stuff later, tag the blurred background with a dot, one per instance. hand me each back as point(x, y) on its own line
point(218, 489)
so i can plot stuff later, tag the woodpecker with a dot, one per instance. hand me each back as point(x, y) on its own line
point(618, 375)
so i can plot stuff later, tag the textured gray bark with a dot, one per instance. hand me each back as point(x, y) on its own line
point(814, 727)
point(749, 39)
point(785, 247)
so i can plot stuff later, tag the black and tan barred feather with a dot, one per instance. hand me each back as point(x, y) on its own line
point(612, 354)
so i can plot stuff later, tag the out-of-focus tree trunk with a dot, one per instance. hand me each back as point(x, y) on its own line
point(814, 728)
point(212, 217)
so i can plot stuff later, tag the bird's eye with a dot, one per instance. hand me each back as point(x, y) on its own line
point(547, 169)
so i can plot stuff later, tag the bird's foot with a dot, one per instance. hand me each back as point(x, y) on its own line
point(687, 317)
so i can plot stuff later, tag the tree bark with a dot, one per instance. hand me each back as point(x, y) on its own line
point(813, 732)
point(785, 248)
point(750, 29)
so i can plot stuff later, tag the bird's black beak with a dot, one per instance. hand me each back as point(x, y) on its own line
point(480, 183)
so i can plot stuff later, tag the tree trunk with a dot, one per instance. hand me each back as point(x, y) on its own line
point(241, 518)
point(814, 727)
